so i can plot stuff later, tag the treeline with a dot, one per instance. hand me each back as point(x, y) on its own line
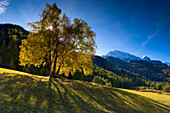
point(103, 77)
point(117, 80)
point(110, 77)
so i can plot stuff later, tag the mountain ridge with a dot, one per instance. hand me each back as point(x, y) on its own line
point(123, 55)
point(127, 57)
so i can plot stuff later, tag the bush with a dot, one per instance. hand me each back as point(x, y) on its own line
point(166, 88)
point(98, 80)
point(159, 87)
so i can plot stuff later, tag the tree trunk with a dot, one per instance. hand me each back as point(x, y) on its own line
point(50, 62)
point(54, 67)
point(58, 69)
point(50, 68)
point(55, 59)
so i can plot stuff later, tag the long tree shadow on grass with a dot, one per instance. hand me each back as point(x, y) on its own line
point(115, 100)
point(26, 94)
point(71, 101)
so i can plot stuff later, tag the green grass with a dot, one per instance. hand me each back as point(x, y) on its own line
point(30, 93)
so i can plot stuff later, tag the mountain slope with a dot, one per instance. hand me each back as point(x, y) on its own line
point(8, 30)
point(103, 63)
point(21, 93)
point(154, 72)
point(167, 63)
point(10, 39)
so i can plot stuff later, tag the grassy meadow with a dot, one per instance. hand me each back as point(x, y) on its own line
point(22, 92)
point(161, 97)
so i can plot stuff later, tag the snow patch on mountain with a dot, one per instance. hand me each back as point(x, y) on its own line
point(127, 57)
point(123, 55)
point(146, 58)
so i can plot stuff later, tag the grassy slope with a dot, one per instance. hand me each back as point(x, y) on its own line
point(159, 97)
point(26, 93)
point(3, 70)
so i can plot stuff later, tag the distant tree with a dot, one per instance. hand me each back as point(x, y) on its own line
point(78, 76)
point(98, 80)
point(159, 86)
point(166, 88)
point(66, 47)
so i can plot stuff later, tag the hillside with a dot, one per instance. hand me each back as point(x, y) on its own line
point(154, 72)
point(10, 39)
point(28, 93)
point(145, 67)
point(118, 77)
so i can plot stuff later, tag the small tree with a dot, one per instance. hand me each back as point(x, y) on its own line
point(166, 88)
point(55, 42)
point(98, 80)
point(159, 86)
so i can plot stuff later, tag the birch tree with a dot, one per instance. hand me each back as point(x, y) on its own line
point(55, 41)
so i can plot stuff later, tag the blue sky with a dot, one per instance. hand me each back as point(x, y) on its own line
point(140, 27)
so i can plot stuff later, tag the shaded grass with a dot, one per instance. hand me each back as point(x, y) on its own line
point(23, 93)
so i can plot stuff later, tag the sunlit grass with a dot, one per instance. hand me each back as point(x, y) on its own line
point(23, 93)
point(161, 97)
point(3, 70)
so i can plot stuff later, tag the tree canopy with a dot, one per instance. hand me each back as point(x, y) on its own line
point(55, 41)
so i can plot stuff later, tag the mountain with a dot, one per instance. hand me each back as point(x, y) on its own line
point(123, 55)
point(118, 77)
point(146, 58)
point(167, 63)
point(127, 57)
point(153, 70)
